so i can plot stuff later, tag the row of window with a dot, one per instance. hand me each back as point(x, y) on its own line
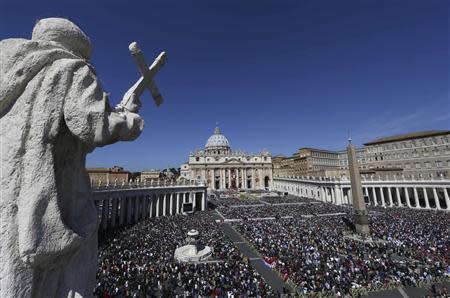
point(226, 158)
point(426, 165)
point(439, 140)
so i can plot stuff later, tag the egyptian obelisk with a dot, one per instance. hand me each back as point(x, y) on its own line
point(360, 217)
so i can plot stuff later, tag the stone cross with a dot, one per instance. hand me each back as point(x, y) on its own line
point(146, 81)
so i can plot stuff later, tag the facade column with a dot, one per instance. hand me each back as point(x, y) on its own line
point(408, 201)
point(383, 202)
point(157, 205)
point(416, 198)
point(261, 182)
point(374, 194)
point(164, 204)
point(123, 203)
point(203, 201)
point(192, 195)
point(171, 204)
point(222, 178)
point(177, 196)
point(244, 178)
point(253, 179)
point(237, 177)
point(391, 202)
point(425, 196)
point(436, 199)
point(270, 179)
point(213, 185)
point(114, 213)
point(447, 198)
point(105, 211)
point(229, 177)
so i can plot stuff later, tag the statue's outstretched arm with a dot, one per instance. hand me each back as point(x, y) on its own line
point(89, 116)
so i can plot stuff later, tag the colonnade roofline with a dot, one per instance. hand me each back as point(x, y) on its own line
point(330, 181)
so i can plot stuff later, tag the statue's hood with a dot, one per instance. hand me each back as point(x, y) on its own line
point(20, 61)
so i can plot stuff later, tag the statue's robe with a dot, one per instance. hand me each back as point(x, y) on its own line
point(53, 112)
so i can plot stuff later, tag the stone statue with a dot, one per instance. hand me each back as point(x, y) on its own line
point(53, 112)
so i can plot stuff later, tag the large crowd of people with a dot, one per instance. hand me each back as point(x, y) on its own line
point(138, 261)
point(304, 242)
point(283, 210)
point(315, 255)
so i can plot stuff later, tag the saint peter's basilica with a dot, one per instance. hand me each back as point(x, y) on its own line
point(221, 168)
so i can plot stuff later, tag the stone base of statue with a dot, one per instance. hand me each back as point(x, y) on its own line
point(363, 238)
point(192, 252)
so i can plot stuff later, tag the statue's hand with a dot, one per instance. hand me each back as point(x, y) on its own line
point(130, 101)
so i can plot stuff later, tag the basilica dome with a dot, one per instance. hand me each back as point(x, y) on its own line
point(217, 141)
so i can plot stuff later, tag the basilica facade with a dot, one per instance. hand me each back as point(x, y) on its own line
point(221, 168)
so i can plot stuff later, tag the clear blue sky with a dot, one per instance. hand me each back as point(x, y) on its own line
point(277, 75)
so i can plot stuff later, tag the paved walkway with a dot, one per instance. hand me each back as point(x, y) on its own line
point(269, 275)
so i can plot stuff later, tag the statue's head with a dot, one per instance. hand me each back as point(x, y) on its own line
point(65, 33)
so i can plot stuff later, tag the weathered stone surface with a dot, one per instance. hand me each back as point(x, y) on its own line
point(53, 112)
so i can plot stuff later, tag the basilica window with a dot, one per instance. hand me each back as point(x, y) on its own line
point(197, 158)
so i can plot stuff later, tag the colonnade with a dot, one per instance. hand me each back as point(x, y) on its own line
point(124, 207)
point(420, 194)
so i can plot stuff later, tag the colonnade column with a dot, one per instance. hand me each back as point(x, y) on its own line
point(416, 197)
point(399, 200)
point(425, 196)
point(114, 212)
point(105, 211)
point(164, 196)
point(391, 202)
point(436, 199)
point(332, 195)
point(150, 208)
point(237, 177)
point(338, 198)
point(171, 204)
point(157, 205)
point(129, 209)
point(122, 205)
point(244, 179)
point(383, 203)
point(323, 194)
point(447, 198)
point(253, 179)
point(366, 193)
point(408, 201)
point(178, 202)
point(136, 208)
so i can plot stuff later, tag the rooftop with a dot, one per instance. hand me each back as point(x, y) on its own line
point(408, 136)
